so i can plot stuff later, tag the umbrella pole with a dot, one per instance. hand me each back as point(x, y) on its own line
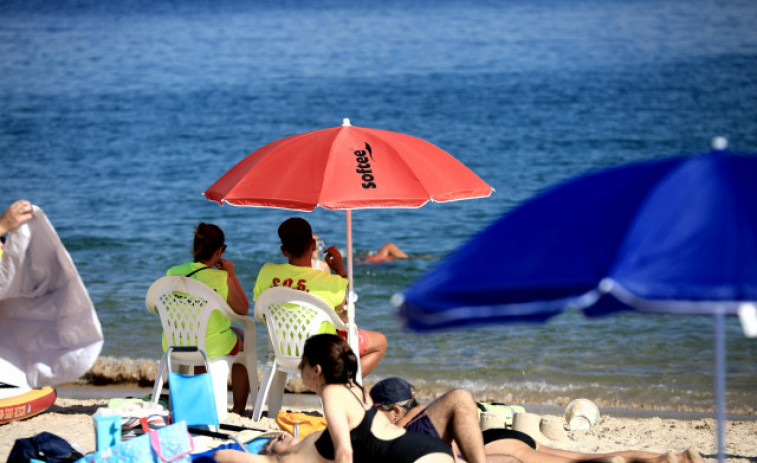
point(352, 338)
point(349, 262)
point(720, 372)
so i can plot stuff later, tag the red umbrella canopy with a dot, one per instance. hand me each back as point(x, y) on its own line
point(347, 168)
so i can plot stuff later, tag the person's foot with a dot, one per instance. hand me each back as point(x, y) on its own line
point(691, 455)
point(239, 412)
point(670, 457)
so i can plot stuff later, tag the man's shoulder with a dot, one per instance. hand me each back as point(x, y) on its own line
point(296, 269)
point(184, 269)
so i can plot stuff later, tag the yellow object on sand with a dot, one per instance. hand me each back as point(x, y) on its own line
point(27, 404)
point(304, 423)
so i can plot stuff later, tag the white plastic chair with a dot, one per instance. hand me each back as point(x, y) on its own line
point(291, 316)
point(184, 306)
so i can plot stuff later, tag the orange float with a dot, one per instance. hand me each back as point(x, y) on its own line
point(26, 404)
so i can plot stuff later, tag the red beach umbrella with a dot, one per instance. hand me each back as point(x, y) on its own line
point(347, 168)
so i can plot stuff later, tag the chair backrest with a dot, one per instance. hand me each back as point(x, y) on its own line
point(292, 316)
point(184, 306)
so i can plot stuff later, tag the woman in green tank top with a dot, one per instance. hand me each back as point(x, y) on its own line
point(212, 269)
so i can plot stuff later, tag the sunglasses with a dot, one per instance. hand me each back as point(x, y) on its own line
point(223, 248)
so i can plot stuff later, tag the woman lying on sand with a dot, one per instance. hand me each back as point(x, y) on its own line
point(495, 451)
point(356, 431)
point(453, 418)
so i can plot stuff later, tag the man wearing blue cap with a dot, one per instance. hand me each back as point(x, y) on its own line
point(452, 418)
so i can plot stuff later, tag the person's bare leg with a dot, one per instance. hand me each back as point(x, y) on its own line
point(588, 456)
point(374, 352)
point(523, 452)
point(235, 456)
point(240, 388)
point(435, 458)
point(501, 459)
point(391, 250)
point(690, 455)
point(240, 382)
point(455, 417)
point(545, 454)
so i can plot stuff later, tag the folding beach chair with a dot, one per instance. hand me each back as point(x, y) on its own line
point(185, 306)
point(192, 399)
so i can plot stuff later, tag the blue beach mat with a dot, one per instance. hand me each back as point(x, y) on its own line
point(254, 447)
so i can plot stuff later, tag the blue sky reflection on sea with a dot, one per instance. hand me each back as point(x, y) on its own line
point(117, 116)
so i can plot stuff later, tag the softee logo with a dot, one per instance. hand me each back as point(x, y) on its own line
point(364, 159)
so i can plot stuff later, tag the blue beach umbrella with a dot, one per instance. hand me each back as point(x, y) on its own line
point(677, 235)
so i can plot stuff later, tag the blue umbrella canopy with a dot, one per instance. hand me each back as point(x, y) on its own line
point(677, 235)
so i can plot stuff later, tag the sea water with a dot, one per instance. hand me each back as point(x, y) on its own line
point(116, 116)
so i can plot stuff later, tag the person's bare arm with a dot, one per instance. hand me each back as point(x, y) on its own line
point(236, 298)
point(410, 415)
point(334, 399)
point(334, 259)
point(14, 215)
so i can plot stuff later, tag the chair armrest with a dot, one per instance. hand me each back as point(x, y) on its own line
point(246, 321)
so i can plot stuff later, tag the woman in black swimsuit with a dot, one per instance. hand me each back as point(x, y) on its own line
point(355, 433)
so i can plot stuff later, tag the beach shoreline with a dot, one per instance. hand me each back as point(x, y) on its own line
point(71, 418)
point(113, 372)
point(303, 398)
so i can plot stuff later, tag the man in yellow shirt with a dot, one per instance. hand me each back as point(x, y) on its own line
point(297, 245)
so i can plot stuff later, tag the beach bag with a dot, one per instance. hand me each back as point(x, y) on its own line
point(138, 416)
point(498, 412)
point(44, 446)
point(132, 426)
point(168, 444)
point(300, 425)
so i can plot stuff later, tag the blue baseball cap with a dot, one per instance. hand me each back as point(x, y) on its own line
point(391, 391)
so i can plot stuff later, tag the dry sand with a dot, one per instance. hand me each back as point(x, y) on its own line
point(72, 420)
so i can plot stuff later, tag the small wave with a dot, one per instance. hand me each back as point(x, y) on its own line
point(111, 370)
point(142, 372)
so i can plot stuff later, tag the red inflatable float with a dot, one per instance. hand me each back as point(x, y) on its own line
point(26, 404)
